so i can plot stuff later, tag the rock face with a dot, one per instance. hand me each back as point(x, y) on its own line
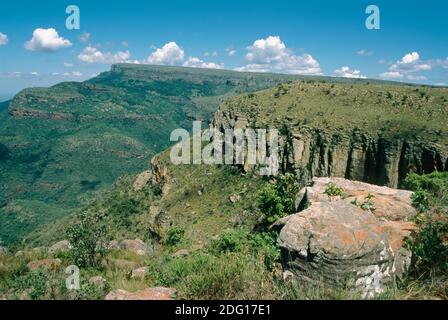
point(337, 242)
point(356, 155)
point(142, 180)
point(158, 293)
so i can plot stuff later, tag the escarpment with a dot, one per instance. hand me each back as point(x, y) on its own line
point(381, 149)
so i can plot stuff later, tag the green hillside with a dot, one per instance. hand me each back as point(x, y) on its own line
point(61, 145)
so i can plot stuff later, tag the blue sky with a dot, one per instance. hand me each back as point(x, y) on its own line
point(309, 37)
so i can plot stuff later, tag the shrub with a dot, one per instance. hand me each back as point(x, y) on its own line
point(333, 191)
point(429, 252)
point(88, 237)
point(174, 235)
point(277, 198)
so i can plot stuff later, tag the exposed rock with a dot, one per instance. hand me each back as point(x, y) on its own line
point(136, 246)
point(139, 273)
point(352, 153)
point(142, 180)
point(160, 175)
point(98, 282)
point(234, 198)
point(3, 251)
point(61, 246)
point(46, 263)
point(158, 293)
point(338, 242)
point(113, 245)
point(391, 204)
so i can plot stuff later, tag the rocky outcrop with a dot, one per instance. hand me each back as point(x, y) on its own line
point(347, 153)
point(335, 241)
point(142, 180)
point(3, 251)
point(158, 293)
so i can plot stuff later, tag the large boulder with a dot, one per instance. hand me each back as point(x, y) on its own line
point(335, 241)
point(158, 293)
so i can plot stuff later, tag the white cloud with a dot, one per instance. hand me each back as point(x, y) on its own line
point(46, 40)
point(169, 54)
point(93, 55)
point(231, 53)
point(271, 55)
point(346, 72)
point(410, 57)
point(198, 63)
point(68, 65)
point(392, 75)
point(34, 73)
point(3, 39)
point(410, 63)
point(364, 52)
point(215, 54)
point(84, 37)
point(407, 67)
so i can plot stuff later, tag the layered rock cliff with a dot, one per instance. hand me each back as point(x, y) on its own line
point(381, 153)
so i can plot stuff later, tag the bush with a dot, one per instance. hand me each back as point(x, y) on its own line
point(89, 238)
point(277, 198)
point(333, 191)
point(429, 246)
point(431, 190)
point(429, 252)
point(174, 235)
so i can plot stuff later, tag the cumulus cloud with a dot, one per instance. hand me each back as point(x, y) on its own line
point(3, 39)
point(68, 65)
point(407, 67)
point(172, 54)
point(93, 55)
point(46, 40)
point(169, 54)
point(392, 75)
point(198, 63)
point(231, 53)
point(272, 55)
point(346, 72)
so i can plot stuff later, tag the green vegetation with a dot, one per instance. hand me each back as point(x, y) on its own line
point(378, 109)
point(333, 191)
point(60, 146)
point(430, 246)
point(277, 198)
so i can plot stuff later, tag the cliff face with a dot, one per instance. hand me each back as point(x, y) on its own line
point(378, 157)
